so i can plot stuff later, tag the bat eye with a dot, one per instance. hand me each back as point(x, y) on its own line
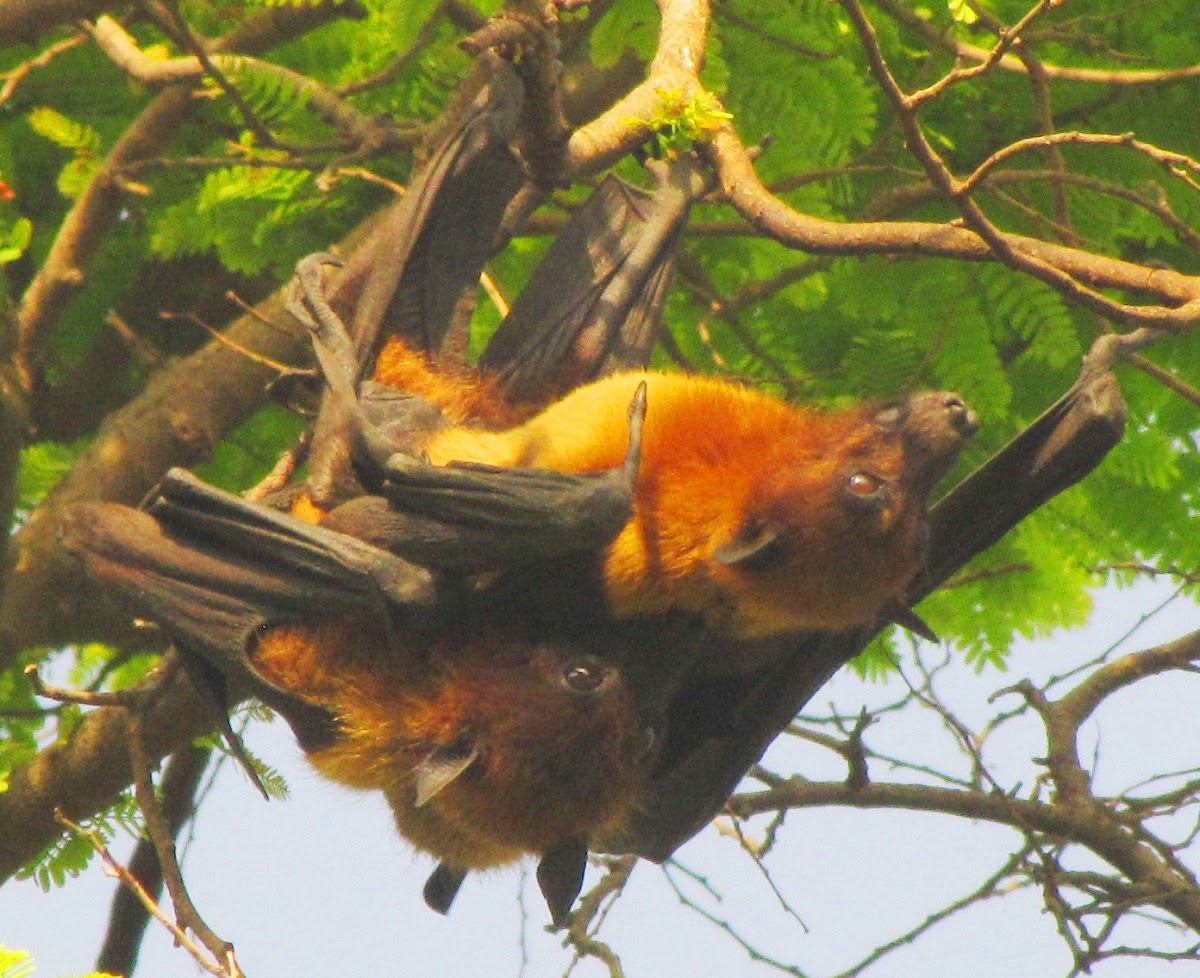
point(863, 485)
point(585, 677)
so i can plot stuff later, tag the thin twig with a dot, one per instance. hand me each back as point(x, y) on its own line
point(14, 76)
point(224, 340)
point(115, 869)
point(160, 834)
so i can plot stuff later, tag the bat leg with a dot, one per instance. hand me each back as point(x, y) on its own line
point(560, 877)
point(442, 887)
point(331, 341)
point(375, 422)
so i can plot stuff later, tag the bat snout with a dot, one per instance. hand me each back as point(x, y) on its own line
point(940, 422)
point(938, 425)
point(959, 414)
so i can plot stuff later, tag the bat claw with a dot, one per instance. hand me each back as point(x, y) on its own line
point(560, 878)
point(902, 615)
point(637, 423)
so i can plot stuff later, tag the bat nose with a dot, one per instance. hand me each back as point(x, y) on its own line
point(962, 418)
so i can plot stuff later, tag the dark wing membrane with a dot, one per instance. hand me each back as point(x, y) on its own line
point(1062, 446)
point(417, 273)
point(321, 566)
point(1051, 455)
point(595, 300)
point(434, 241)
point(210, 605)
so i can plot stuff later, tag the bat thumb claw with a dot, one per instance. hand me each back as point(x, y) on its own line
point(905, 617)
point(637, 422)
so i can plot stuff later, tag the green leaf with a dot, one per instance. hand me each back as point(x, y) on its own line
point(632, 24)
point(15, 964)
point(275, 97)
point(67, 133)
point(43, 465)
point(68, 856)
point(961, 11)
point(16, 239)
point(248, 454)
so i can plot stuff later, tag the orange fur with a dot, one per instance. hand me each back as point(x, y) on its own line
point(719, 465)
point(464, 396)
point(554, 766)
point(305, 509)
point(718, 458)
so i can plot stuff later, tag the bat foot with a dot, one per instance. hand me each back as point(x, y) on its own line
point(900, 614)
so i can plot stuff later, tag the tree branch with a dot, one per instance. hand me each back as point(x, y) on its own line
point(95, 213)
point(1010, 62)
point(23, 20)
point(87, 773)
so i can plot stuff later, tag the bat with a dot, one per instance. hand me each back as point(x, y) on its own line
point(693, 782)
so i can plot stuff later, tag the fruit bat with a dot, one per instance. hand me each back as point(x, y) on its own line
point(219, 592)
point(194, 567)
point(740, 719)
point(716, 726)
point(403, 704)
point(489, 738)
point(757, 516)
point(754, 515)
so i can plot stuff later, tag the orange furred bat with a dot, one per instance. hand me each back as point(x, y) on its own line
point(485, 750)
point(490, 736)
point(759, 516)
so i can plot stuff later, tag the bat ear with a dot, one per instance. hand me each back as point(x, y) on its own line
point(755, 545)
point(560, 877)
point(442, 766)
point(902, 615)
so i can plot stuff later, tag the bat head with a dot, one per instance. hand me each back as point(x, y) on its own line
point(543, 743)
point(834, 531)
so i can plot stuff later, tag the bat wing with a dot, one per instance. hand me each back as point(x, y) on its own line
point(417, 272)
point(320, 567)
point(595, 300)
point(720, 745)
point(1062, 446)
point(212, 571)
point(211, 603)
point(434, 242)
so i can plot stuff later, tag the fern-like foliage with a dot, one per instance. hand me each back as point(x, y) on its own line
point(274, 96)
point(19, 964)
point(70, 854)
point(84, 142)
